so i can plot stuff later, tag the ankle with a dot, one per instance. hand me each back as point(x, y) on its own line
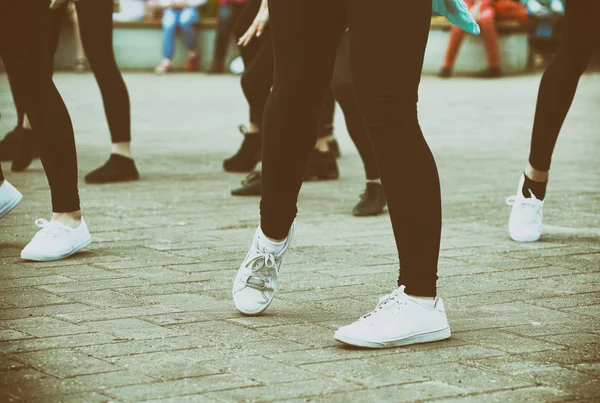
point(72, 219)
point(423, 298)
point(322, 145)
point(377, 181)
point(536, 175)
point(123, 149)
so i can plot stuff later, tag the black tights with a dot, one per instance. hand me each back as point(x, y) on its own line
point(559, 83)
point(23, 47)
point(387, 43)
point(96, 27)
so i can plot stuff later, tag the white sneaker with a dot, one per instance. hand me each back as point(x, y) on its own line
point(398, 320)
point(10, 197)
point(56, 241)
point(525, 221)
point(255, 284)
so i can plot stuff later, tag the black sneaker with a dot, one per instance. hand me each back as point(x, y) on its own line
point(445, 72)
point(321, 166)
point(118, 168)
point(371, 202)
point(26, 151)
point(490, 72)
point(250, 186)
point(248, 155)
point(9, 144)
point(334, 147)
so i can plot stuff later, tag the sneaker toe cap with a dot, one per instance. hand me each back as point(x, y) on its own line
point(250, 301)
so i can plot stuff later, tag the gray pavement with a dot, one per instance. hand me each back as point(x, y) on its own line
point(145, 313)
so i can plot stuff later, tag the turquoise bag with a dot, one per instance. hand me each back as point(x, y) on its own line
point(457, 12)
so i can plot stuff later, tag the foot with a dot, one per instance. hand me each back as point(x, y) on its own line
point(445, 72)
point(334, 148)
point(250, 186)
point(321, 166)
point(490, 72)
point(398, 320)
point(10, 198)
point(26, 151)
point(191, 63)
point(526, 215)
point(117, 169)
point(164, 67)
point(56, 241)
point(248, 155)
point(371, 202)
point(10, 143)
point(256, 282)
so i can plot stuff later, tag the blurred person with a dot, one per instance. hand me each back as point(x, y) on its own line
point(229, 13)
point(483, 12)
point(95, 20)
point(580, 39)
point(23, 48)
point(182, 14)
point(546, 17)
point(81, 63)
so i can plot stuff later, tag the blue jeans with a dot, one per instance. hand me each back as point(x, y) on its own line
point(184, 19)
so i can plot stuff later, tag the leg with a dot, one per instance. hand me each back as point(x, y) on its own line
point(187, 18)
point(169, 25)
point(457, 35)
point(559, 83)
point(487, 22)
point(304, 61)
point(386, 84)
point(249, 51)
point(223, 37)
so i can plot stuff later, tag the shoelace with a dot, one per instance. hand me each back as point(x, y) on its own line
point(531, 203)
point(397, 296)
point(49, 229)
point(258, 279)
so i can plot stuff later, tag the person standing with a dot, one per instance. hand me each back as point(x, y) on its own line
point(581, 37)
point(229, 14)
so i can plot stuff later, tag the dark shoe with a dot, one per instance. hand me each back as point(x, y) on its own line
point(118, 168)
point(445, 73)
point(371, 202)
point(490, 72)
point(26, 151)
point(250, 186)
point(248, 155)
point(334, 148)
point(321, 166)
point(10, 143)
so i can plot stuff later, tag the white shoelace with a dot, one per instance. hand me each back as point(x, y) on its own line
point(397, 296)
point(49, 229)
point(258, 279)
point(532, 204)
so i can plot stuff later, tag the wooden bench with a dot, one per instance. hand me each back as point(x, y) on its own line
point(513, 43)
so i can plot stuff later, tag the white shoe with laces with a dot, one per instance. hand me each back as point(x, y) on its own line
point(56, 241)
point(398, 320)
point(255, 284)
point(10, 197)
point(526, 215)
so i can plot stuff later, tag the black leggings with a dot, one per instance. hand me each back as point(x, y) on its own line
point(387, 44)
point(23, 47)
point(96, 27)
point(257, 79)
point(559, 83)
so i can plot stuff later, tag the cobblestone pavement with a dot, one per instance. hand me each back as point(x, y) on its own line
point(145, 313)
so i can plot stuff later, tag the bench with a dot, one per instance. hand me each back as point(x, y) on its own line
point(513, 43)
point(137, 47)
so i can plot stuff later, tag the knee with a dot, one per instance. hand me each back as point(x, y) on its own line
point(169, 20)
point(188, 17)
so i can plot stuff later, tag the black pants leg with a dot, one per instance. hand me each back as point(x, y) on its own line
point(386, 60)
point(343, 89)
point(23, 46)
point(225, 30)
point(559, 83)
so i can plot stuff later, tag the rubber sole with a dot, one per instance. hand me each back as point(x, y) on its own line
point(415, 339)
point(65, 255)
point(12, 204)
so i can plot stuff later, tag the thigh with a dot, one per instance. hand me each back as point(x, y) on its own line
point(169, 18)
point(188, 15)
point(387, 47)
point(305, 36)
point(96, 28)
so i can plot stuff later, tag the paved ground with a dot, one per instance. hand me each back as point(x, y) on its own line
point(145, 313)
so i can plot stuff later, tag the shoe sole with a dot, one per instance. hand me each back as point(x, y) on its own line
point(73, 251)
point(255, 313)
point(438, 335)
point(130, 179)
point(11, 205)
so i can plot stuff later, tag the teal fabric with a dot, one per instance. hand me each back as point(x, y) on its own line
point(457, 12)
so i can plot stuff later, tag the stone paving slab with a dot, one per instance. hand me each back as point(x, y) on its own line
point(145, 313)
